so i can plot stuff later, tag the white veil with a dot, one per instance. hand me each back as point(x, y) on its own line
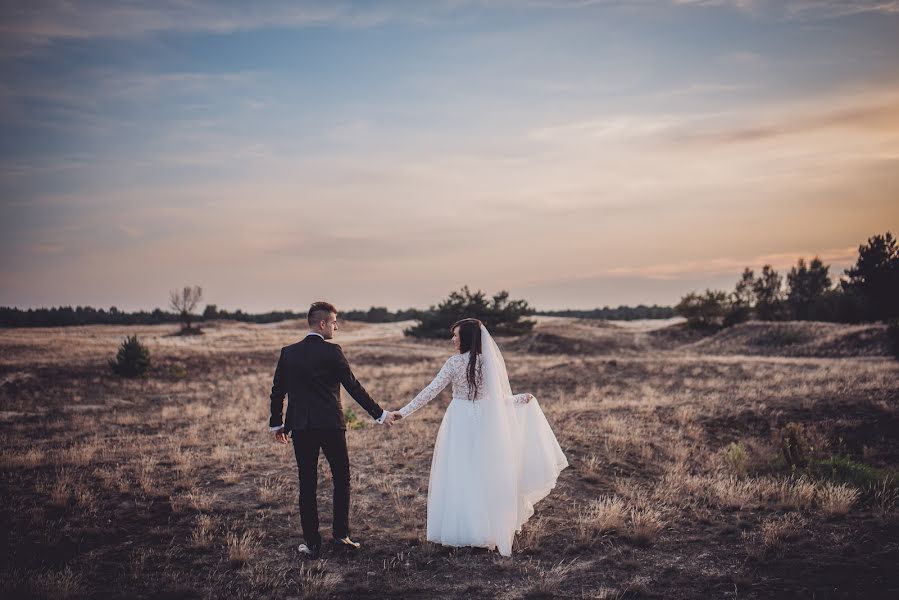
point(499, 446)
point(522, 458)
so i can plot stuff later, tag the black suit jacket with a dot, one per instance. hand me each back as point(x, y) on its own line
point(310, 373)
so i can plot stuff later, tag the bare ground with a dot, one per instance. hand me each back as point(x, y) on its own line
point(171, 487)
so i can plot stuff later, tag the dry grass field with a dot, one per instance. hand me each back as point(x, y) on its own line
point(679, 487)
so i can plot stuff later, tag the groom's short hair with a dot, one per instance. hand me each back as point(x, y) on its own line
point(319, 311)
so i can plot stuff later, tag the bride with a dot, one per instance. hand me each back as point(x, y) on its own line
point(495, 454)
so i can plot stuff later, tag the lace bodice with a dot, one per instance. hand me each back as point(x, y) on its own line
point(454, 371)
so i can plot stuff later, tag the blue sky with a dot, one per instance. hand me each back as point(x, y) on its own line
point(384, 153)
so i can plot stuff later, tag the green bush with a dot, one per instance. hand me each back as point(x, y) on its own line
point(845, 470)
point(703, 311)
point(499, 314)
point(736, 456)
point(352, 421)
point(132, 360)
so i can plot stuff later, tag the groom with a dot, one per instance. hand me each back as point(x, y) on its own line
point(310, 373)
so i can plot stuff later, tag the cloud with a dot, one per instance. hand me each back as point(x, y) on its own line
point(725, 265)
point(877, 117)
point(25, 26)
point(621, 126)
point(873, 111)
point(38, 22)
point(801, 9)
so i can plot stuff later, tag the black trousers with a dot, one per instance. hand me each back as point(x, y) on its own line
point(306, 446)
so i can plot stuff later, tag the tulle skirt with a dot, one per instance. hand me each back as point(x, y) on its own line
point(464, 508)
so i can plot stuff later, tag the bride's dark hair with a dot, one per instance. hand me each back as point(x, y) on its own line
point(470, 341)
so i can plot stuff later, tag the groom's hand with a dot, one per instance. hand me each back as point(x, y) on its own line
point(281, 437)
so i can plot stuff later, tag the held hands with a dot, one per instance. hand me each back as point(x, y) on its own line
point(281, 437)
point(391, 417)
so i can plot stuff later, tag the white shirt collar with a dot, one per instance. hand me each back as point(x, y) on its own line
point(314, 333)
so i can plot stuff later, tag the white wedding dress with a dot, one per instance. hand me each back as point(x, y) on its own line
point(494, 457)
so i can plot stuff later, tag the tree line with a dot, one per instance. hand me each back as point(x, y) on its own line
point(868, 292)
point(621, 313)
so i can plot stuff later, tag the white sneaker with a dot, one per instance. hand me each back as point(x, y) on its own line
point(308, 552)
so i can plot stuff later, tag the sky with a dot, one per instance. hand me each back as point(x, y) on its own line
point(576, 153)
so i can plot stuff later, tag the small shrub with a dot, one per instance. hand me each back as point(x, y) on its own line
point(316, 583)
point(884, 495)
point(732, 492)
point(609, 514)
point(352, 421)
point(794, 444)
point(203, 533)
point(841, 469)
point(774, 531)
point(796, 493)
point(545, 582)
point(604, 515)
point(736, 457)
point(645, 526)
point(590, 467)
point(270, 489)
point(837, 498)
point(132, 360)
point(242, 547)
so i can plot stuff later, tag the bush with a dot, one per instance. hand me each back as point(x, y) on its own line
point(132, 360)
point(499, 314)
point(352, 421)
point(840, 306)
point(706, 310)
point(735, 455)
point(841, 469)
point(795, 445)
point(736, 314)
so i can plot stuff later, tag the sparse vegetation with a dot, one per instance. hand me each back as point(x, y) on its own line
point(132, 359)
point(678, 449)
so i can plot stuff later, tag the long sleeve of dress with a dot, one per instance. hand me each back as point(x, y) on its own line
point(441, 380)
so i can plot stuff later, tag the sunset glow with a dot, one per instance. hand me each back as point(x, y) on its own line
point(578, 154)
